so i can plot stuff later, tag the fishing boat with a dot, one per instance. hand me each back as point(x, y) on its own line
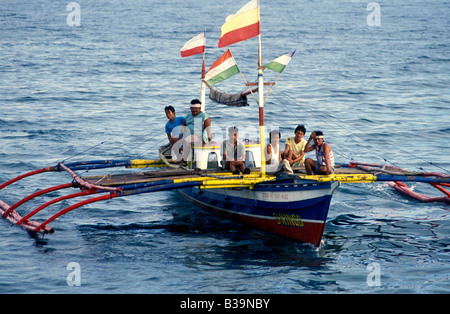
point(291, 205)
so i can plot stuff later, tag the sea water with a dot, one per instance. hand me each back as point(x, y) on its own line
point(89, 80)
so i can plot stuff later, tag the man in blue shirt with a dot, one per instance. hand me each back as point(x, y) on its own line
point(173, 126)
point(173, 129)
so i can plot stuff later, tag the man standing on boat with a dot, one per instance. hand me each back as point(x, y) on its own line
point(198, 129)
point(198, 122)
point(173, 130)
point(233, 153)
point(324, 155)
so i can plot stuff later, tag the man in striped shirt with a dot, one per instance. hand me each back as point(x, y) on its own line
point(324, 155)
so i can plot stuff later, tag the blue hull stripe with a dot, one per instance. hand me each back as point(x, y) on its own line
point(314, 210)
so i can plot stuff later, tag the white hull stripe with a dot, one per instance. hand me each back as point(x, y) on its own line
point(278, 196)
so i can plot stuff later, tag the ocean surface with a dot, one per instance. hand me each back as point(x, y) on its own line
point(375, 82)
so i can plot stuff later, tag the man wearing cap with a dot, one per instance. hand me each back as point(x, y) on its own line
point(233, 153)
point(198, 129)
point(324, 155)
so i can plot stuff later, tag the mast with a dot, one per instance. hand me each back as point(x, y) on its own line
point(261, 104)
point(203, 88)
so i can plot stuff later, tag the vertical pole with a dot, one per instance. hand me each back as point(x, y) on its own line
point(262, 140)
point(261, 121)
point(203, 90)
point(202, 100)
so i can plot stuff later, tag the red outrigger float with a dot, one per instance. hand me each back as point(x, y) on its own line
point(404, 189)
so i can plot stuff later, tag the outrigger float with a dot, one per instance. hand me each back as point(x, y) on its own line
point(292, 205)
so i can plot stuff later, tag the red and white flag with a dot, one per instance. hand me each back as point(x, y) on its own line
point(194, 46)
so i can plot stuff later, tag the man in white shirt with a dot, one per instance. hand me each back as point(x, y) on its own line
point(233, 153)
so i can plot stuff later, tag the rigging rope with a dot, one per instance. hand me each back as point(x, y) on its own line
point(127, 148)
point(326, 117)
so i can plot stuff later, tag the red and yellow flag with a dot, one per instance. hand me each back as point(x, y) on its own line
point(242, 25)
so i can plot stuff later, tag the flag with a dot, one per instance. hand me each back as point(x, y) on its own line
point(242, 25)
point(279, 63)
point(194, 46)
point(221, 69)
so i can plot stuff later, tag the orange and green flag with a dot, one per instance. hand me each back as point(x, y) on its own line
point(221, 69)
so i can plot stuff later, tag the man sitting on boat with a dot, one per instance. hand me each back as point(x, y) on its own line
point(173, 130)
point(324, 155)
point(294, 151)
point(233, 153)
point(274, 156)
point(198, 130)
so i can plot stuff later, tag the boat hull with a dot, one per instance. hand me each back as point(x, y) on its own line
point(295, 209)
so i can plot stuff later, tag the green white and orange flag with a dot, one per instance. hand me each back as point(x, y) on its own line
point(279, 63)
point(241, 26)
point(221, 69)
